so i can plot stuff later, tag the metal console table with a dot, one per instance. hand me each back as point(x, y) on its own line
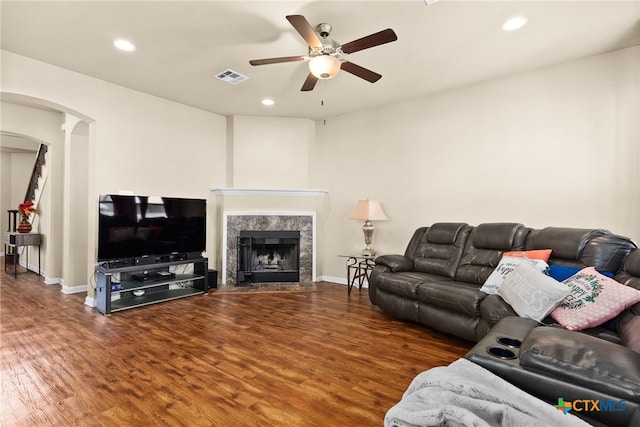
point(13, 241)
point(358, 269)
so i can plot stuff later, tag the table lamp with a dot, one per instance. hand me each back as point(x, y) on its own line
point(369, 210)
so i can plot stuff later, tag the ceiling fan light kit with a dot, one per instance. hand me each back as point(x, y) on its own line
point(325, 55)
point(324, 66)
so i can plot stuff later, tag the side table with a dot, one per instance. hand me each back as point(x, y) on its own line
point(358, 268)
point(14, 241)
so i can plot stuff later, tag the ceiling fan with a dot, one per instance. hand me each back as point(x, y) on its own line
point(326, 55)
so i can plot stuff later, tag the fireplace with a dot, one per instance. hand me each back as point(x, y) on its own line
point(268, 256)
point(300, 223)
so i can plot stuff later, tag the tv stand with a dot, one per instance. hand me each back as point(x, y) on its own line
point(121, 288)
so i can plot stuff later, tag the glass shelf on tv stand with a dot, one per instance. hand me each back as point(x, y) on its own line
point(153, 298)
point(134, 285)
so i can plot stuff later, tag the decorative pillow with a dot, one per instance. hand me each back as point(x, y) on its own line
point(530, 293)
point(594, 299)
point(506, 266)
point(563, 272)
point(542, 254)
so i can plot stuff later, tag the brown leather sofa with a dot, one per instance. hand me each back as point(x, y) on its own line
point(438, 279)
point(436, 283)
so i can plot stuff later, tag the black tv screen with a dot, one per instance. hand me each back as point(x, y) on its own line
point(136, 226)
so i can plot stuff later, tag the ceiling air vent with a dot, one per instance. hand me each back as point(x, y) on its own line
point(231, 77)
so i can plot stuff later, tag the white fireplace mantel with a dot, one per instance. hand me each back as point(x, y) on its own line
point(296, 192)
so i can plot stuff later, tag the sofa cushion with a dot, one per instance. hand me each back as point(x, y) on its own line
point(452, 296)
point(593, 300)
point(440, 249)
point(531, 293)
point(630, 273)
point(583, 360)
point(566, 243)
point(504, 268)
point(493, 309)
point(632, 264)
point(499, 236)
point(444, 233)
point(630, 332)
point(405, 284)
point(484, 249)
point(607, 253)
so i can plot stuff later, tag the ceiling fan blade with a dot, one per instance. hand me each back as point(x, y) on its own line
point(361, 72)
point(305, 29)
point(277, 60)
point(309, 83)
point(376, 39)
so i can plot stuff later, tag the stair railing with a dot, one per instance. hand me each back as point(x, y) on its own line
point(36, 172)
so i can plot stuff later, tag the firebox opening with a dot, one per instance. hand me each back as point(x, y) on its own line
point(268, 256)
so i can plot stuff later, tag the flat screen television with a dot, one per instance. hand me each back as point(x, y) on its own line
point(138, 226)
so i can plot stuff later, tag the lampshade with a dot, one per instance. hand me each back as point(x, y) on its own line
point(368, 210)
point(324, 66)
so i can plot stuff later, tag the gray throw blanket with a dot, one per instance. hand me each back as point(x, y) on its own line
point(466, 394)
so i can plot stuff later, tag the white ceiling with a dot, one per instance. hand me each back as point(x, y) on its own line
point(181, 45)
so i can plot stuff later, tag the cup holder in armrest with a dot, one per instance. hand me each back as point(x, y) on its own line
point(501, 352)
point(509, 342)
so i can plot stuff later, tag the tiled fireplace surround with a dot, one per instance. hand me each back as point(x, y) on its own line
point(235, 220)
point(269, 222)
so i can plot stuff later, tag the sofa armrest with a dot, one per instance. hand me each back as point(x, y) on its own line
point(583, 360)
point(395, 263)
point(493, 308)
point(546, 379)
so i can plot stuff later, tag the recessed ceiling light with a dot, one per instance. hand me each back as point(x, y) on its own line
point(514, 23)
point(125, 45)
point(267, 101)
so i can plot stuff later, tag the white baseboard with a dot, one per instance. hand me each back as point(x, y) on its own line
point(333, 279)
point(339, 281)
point(53, 281)
point(91, 302)
point(73, 289)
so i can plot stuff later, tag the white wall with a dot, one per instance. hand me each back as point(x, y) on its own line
point(271, 152)
point(143, 143)
point(21, 166)
point(553, 147)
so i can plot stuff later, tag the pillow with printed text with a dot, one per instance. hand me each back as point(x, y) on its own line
point(507, 265)
point(531, 293)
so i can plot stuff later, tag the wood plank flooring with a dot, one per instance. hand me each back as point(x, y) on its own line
point(223, 359)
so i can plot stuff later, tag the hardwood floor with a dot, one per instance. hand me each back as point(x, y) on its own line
point(275, 359)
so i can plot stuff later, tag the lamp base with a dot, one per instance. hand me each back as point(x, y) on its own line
point(368, 228)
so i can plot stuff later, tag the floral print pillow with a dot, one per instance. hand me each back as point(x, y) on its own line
point(593, 300)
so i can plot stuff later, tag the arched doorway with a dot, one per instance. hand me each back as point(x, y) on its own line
point(66, 218)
